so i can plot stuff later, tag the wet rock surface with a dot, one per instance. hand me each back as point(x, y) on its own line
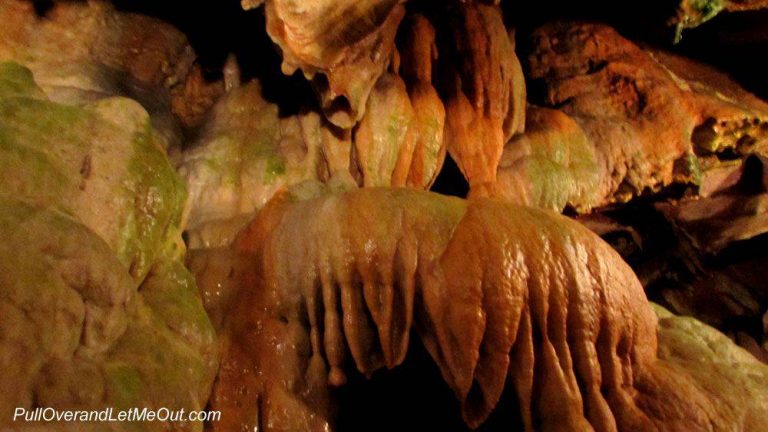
point(222, 205)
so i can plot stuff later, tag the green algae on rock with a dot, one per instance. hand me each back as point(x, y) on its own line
point(111, 53)
point(16, 80)
point(99, 162)
point(693, 13)
point(98, 309)
point(79, 334)
point(552, 165)
point(734, 379)
point(653, 119)
point(244, 155)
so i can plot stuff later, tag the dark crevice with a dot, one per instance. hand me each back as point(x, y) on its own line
point(413, 397)
point(217, 29)
point(450, 181)
point(42, 7)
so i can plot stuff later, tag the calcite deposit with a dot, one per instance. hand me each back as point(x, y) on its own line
point(551, 217)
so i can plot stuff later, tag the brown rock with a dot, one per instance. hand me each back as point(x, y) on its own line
point(84, 51)
point(483, 89)
point(647, 114)
point(361, 288)
point(343, 47)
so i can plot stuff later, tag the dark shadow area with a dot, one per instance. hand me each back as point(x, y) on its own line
point(735, 43)
point(42, 7)
point(644, 20)
point(450, 180)
point(743, 250)
point(217, 29)
point(412, 397)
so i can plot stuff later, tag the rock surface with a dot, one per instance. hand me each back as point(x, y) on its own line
point(98, 309)
point(360, 289)
point(651, 119)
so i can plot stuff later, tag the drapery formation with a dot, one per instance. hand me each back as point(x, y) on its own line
point(501, 296)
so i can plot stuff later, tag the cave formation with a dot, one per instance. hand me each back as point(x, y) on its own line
point(385, 214)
